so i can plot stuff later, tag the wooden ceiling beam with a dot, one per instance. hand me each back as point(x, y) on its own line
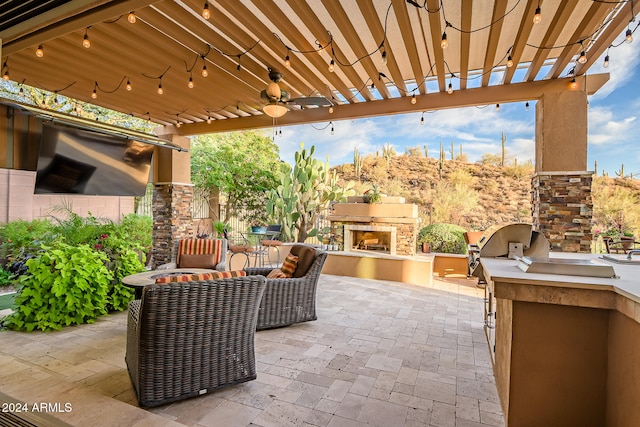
point(90, 17)
point(436, 35)
point(266, 35)
point(491, 55)
point(565, 9)
point(349, 32)
point(404, 23)
point(318, 29)
point(520, 43)
point(597, 12)
point(607, 37)
point(516, 92)
point(377, 31)
point(465, 42)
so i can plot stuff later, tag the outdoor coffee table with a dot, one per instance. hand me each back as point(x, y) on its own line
point(139, 280)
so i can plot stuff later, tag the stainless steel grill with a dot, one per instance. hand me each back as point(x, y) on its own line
point(509, 240)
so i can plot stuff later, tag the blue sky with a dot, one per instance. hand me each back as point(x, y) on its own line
point(613, 137)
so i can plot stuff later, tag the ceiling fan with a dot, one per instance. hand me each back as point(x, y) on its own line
point(278, 98)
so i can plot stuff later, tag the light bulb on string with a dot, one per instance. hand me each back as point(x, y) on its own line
point(129, 87)
point(606, 62)
point(573, 84)
point(450, 89)
point(526, 106)
point(537, 17)
point(331, 66)
point(509, 61)
point(287, 61)
point(85, 40)
point(413, 99)
point(444, 42)
point(583, 57)
point(422, 120)
point(94, 94)
point(331, 110)
point(5, 75)
point(160, 89)
point(384, 57)
point(628, 38)
point(190, 83)
point(21, 91)
point(209, 119)
point(205, 72)
point(40, 51)
point(331, 123)
point(206, 13)
point(497, 107)
point(132, 18)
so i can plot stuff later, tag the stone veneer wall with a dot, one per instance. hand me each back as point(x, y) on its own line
point(406, 235)
point(172, 218)
point(562, 209)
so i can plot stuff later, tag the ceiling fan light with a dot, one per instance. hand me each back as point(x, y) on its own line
point(275, 110)
point(274, 91)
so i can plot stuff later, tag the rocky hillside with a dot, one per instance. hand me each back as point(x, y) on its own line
point(476, 196)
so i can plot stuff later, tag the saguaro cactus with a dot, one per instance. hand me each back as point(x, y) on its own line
point(357, 163)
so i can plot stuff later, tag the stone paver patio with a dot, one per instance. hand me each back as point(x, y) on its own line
point(380, 354)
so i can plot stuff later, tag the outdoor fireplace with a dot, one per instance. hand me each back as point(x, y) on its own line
point(389, 227)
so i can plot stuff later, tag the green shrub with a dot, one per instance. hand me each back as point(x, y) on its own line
point(64, 285)
point(444, 238)
point(136, 228)
point(19, 234)
point(6, 277)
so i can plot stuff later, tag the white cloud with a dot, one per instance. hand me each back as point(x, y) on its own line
point(622, 59)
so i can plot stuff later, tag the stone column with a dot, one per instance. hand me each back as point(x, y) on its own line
point(562, 207)
point(172, 199)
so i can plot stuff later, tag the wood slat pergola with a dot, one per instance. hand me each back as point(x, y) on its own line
point(171, 41)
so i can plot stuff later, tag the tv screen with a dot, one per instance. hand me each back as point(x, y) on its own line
point(77, 161)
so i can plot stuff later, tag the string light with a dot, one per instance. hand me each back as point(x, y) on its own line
point(160, 89)
point(444, 42)
point(384, 57)
point(537, 17)
point(509, 61)
point(422, 120)
point(209, 119)
point(40, 51)
point(129, 87)
point(21, 91)
point(526, 106)
point(331, 123)
point(206, 13)
point(331, 66)
point(85, 40)
point(179, 123)
point(287, 60)
point(190, 83)
point(5, 75)
point(94, 94)
point(497, 107)
point(331, 110)
point(205, 72)
point(573, 84)
point(450, 89)
point(132, 17)
point(606, 62)
point(583, 57)
point(413, 99)
point(628, 38)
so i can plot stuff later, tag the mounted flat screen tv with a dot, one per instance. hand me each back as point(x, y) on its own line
point(79, 161)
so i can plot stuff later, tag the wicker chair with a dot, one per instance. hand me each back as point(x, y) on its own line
point(289, 300)
point(190, 338)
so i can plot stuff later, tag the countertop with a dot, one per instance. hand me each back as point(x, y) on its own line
point(627, 282)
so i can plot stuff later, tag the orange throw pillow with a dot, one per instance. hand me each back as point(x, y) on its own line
point(289, 265)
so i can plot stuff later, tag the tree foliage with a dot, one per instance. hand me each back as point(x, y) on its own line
point(304, 191)
point(242, 165)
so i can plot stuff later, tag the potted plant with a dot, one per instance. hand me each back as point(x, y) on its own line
point(258, 226)
point(373, 195)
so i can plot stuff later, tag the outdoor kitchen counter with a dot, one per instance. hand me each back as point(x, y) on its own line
point(567, 348)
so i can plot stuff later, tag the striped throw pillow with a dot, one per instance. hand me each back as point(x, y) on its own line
point(201, 276)
point(289, 265)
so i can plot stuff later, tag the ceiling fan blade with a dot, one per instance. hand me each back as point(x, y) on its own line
point(318, 101)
